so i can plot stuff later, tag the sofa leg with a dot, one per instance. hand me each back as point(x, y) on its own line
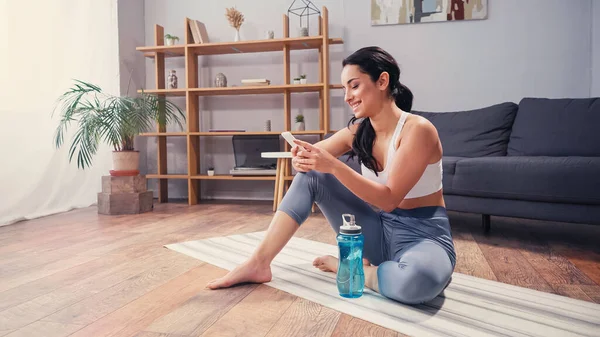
point(485, 223)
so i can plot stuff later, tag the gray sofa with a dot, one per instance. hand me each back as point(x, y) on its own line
point(539, 159)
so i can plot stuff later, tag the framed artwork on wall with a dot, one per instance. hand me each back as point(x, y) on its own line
point(397, 12)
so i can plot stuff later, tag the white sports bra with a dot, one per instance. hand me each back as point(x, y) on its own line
point(431, 180)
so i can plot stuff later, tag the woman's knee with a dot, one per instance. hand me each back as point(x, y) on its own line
point(315, 181)
point(412, 284)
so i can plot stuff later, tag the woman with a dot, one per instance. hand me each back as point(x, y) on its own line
point(408, 250)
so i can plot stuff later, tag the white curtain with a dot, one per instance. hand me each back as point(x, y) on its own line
point(45, 44)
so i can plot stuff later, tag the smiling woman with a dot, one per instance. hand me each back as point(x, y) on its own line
point(409, 253)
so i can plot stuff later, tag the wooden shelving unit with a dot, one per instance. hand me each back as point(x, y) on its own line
point(191, 92)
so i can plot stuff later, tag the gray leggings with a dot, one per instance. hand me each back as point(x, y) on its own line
point(412, 248)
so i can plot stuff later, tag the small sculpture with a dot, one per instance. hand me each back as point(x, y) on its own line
point(220, 80)
point(172, 79)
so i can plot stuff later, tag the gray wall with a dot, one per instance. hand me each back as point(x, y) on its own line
point(524, 48)
point(595, 89)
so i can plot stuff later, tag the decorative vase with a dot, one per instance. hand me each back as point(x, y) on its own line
point(125, 163)
point(220, 80)
point(299, 126)
point(172, 80)
point(237, 36)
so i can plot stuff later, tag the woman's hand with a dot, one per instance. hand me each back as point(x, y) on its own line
point(313, 158)
point(296, 158)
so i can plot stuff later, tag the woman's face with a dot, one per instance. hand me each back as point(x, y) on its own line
point(364, 96)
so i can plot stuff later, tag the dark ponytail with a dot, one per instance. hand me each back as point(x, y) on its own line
point(374, 61)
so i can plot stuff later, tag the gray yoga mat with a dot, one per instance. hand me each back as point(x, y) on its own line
point(469, 306)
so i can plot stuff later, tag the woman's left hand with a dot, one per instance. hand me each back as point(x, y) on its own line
point(314, 158)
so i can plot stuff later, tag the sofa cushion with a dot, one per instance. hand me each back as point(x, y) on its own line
point(448, 169)
point(550, 179)
point(474, 133)
point(556, 127)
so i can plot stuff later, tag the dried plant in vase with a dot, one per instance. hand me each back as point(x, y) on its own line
point(235, 18)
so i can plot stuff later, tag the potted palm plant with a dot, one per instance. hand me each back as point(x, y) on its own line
point(115, 120)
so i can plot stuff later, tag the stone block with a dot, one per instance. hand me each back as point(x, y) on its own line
point(125, 184)
point(125, 203)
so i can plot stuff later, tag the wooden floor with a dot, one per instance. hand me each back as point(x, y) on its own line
point(84, 274)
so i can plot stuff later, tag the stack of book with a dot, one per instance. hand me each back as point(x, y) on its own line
point(255, 82)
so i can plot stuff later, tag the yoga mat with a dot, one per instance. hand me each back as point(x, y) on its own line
point(469, 306)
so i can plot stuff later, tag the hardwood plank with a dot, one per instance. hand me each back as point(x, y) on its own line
point(592, 291)
point(93, 308)
point(46, 329)
point(572, 291)
point(305, 318)
point(349, 326)
point(31, 258)
point(586, 261)
point(29, 275)
point(155, 334)
point(470, 260)
point(139, 314)
point(28, 312)
point(197, 314)
point(255, 315)
point(42, 286)
point(508, 263)
point(551, 265)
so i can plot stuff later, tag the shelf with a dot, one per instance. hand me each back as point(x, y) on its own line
point(242, 90)
point(257, 90)
point(251, 46)
point(253, 133)
point(167, 176)
point(189, 54)
point(259, 46)
point(165, 92)
point(169, 51)
point(231, 177)
point(163, 134)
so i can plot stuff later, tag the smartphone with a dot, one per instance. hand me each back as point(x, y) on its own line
point(290, 139)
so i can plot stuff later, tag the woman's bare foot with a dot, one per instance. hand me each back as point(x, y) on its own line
point(330, 263)
point(326, 263)
point(249, 271)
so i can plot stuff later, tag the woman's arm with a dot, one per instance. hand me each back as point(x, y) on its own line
point(409, 163)
point(340, 142)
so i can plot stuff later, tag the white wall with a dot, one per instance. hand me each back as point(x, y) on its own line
point(595, 90)
point(524, 48)
point(131, 62)
point(43, 50)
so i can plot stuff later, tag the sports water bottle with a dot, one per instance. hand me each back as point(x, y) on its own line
point(350, 276)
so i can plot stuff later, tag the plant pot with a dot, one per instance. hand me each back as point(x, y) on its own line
point(169, 42)
point(211, 172)
point(299, 126)
point(303, 81)
point(296, 81)
point(125, 163)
